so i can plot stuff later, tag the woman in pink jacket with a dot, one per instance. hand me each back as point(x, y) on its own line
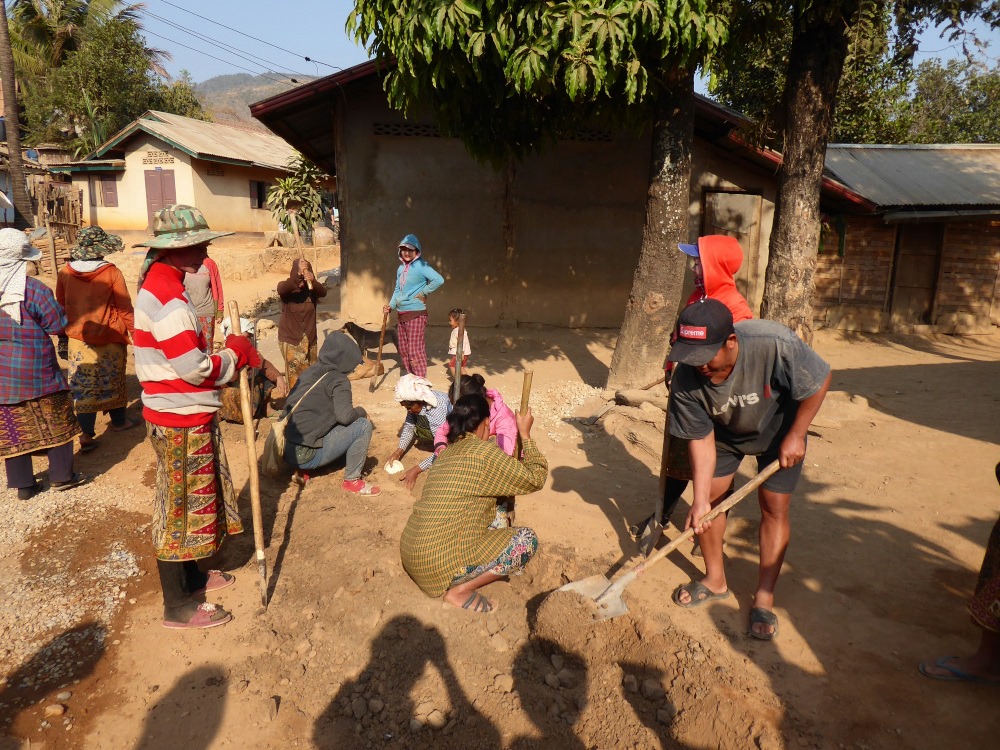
point(502, 426)
point(502, 423)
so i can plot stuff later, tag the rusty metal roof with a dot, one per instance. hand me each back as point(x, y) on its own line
point(209, 141)
point(919, 175)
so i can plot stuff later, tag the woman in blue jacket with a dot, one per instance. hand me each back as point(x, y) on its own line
point(415, 279)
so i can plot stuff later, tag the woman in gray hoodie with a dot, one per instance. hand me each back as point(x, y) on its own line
point(327, 425)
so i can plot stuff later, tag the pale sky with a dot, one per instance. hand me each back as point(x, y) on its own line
point(315, 29)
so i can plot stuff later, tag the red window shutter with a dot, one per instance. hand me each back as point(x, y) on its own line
point(109, 187)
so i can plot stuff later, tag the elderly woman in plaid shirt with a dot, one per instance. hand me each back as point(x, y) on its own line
point(450, 546)
point(36, 407)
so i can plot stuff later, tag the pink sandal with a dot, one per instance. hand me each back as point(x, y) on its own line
point(206, 616)
point(216, 580)
point(361, 487)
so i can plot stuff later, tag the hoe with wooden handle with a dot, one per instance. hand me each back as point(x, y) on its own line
point(608, 596)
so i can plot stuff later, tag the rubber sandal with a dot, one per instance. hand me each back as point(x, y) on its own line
point(129, 424)
point(77, 479)
point(26, 493)
point(217, 580)
point(761, 616)
point(361, 487)
point(206, 616)
point(475, 603)
point(954, 674)
point(699, 593)
point(87, 444)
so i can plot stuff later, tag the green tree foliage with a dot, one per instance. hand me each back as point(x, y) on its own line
point(100, 88)
point(178, 97)
point(509, 77)
point(750, 77)
point(506, 77)
point(954, 103)
point(301, 189)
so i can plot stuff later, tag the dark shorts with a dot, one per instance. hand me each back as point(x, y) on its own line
point(783, 481)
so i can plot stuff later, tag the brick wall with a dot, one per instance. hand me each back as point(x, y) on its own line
point(969, 266)
point(861, 277)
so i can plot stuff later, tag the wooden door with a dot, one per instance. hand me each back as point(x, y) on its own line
point(918, 257)
point(737, 215)
point(160, 191)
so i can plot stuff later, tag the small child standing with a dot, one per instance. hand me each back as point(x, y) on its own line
point(453, 318)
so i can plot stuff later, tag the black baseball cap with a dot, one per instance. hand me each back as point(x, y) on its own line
point(702, 329)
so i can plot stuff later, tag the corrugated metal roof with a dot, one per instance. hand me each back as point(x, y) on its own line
point(210, 141)
point(920, 175)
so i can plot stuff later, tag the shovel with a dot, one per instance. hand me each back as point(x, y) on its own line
point(608, 596)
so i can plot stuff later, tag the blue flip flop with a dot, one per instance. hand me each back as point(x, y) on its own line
point(954, 674)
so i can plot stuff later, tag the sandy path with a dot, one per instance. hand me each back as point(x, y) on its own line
point(889, 526)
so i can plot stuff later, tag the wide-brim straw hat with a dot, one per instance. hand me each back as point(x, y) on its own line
point(180, 226)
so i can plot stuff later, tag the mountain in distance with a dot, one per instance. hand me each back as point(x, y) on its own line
point(227, 98)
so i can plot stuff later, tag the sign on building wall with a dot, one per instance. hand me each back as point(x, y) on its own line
point(158, 157)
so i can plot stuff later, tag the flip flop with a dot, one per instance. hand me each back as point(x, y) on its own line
point(216, 580)
point(761, 616)
point(954, 673)
point(76, 480)
point(128, 424)
point(699, 593)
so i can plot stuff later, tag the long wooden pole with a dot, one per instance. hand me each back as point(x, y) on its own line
point(251, 440)
point(378, 359)
point(525, 396)
point(459, 351)
point(298, 242)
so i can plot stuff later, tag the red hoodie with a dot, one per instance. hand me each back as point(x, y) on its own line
point(721, 257)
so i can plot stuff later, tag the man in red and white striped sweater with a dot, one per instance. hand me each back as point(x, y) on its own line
point(195, 502)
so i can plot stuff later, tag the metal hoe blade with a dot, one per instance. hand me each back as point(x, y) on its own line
point(589, 588)
point(606, 595)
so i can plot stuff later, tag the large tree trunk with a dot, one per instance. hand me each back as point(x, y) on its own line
point(816, 61)
point(12, 116)
point(653, 303)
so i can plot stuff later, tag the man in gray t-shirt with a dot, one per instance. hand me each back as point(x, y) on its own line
point(746, 390)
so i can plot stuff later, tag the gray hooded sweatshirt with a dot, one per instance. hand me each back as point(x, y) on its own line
point(331, 402)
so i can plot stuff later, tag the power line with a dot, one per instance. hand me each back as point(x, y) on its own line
point(227, 62)
point(248, 36)
point(230, 49)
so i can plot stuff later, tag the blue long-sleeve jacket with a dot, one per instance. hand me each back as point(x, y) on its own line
point(413, 279)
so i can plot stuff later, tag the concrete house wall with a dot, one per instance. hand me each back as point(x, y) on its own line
point(552, 240)
point(221, 191)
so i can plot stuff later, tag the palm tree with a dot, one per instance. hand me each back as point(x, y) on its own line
point(15, 163)
point(45, 32)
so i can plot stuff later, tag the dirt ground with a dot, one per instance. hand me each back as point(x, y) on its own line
point(889, 526)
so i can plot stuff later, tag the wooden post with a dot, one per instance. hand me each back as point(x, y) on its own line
point(52, 248)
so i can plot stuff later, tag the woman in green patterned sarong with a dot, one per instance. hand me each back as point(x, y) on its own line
point(449, 547)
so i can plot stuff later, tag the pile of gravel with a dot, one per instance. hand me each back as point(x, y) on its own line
point(62, 586)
